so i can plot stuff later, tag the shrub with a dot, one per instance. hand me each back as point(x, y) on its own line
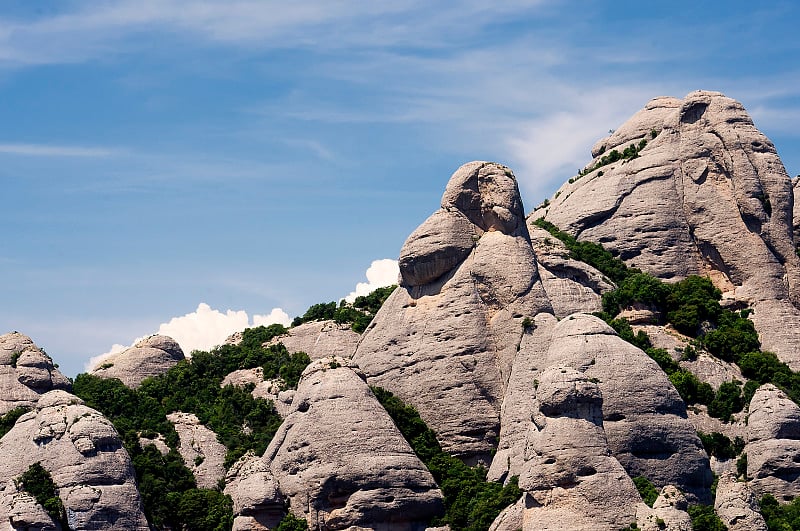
point(728, 400)
point(291, 523)
point(637, 287)
point(705, 519)
point(37, 482)
point(647, 490)
point(780, 517)
point(8, 420)
point(471, 502)
point(720, 446)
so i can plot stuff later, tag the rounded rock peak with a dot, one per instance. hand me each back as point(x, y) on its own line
point(58, 398)
point(488, 195)
point(165, 343)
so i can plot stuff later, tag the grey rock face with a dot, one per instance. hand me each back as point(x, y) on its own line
point(84, 455)
point(707, 195)
point(257, 501)
point(24, 512)
point(25, 373)
point(340, 461)
point(736, 505)
point(571, 286)
point(668, 512)
point(320, 339)
point(644, 419)
point(773, 444)
point(445, 340)
point(200, 450)
point(151, 356)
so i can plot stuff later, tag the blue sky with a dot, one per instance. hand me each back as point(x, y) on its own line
point(252, 155)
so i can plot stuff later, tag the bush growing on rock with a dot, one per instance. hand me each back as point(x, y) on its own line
point(37, 482)
point(471, 502)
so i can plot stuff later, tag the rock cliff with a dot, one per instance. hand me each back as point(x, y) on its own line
point(446, 339)
point(692, 187)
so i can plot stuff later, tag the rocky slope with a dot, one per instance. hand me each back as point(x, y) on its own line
point(490, 337)
point(705, 193)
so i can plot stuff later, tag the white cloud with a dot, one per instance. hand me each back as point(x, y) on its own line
point(203, 329)
point(381, 273)
point(49, 150)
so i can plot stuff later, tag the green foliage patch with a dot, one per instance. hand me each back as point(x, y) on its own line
point(241, 422)
point(37, 482)
point(471, 502)
point(705, 519)
point(647, 490)
point(8, 420)
point(780, 517)
point(291, 523)
point(719, 445)
point(359, 314)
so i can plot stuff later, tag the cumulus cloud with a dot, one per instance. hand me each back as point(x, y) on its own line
point(380, 273)
point(203, 329)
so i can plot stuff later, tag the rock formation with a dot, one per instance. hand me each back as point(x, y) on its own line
point(320, 339)
point(200, 450)
point(257, 502)
point(84, 455)
point(267, 389)
point(340, 461)
point(773, 444)
point(151, 356)
point(25, 373)
point(568, 474)
point(644, 419)
point(737, 506)
point(445, 340)
point(701, 192)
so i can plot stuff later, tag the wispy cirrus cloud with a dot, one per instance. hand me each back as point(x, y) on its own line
point(53, 150)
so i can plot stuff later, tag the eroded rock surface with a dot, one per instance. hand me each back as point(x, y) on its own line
point(707, 194)
point(151, 356)
point(83, 453)
point(320, 339)
point(736, 505)
point(445, 340)
point(644, 419)
point(773, 444)
point(26, 372)
point(200, 450)
point(257, 502)
point(340, 461)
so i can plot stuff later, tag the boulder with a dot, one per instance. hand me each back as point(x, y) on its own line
point(200, 450)
point(26, 372)
point(445, 340)
point(151, 356)
point(668, 512)
point(340, 461)
point(83, 453)
point(773, 444)
point(706, 194)
point(320, 339)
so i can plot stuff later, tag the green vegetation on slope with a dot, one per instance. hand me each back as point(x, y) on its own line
point(359, 314)
point(471, 502)
point(241, 422)
point(37, 482)
point(8, 420)
point(779, 517)
point(647, 490)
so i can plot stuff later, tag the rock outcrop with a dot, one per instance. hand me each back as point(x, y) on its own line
point(200, 450)
point(568, 474)
point(446, 338)
point(267, 389)
point(736, 505)
point(84, 455)
point(151, 356)
point(773, 444)
point(320, 339)
point(668, 512)
point(571, 286)
point(340, 461)
point(706, 194)
point(257, 502)
point(644, 418)
point(26, 372)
